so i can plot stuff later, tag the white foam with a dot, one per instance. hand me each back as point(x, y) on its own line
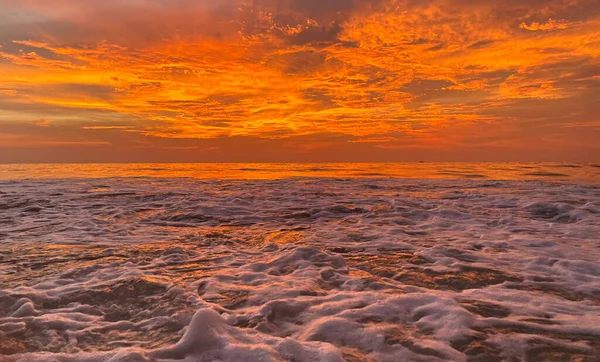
point(297, 270)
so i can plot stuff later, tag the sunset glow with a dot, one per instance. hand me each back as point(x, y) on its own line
point(299, 80)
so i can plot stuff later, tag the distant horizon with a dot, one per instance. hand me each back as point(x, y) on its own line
point(519, 171)
point(77, 156)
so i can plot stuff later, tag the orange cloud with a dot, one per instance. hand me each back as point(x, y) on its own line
point(43, 123)
point(551, 24)
point(375, 75)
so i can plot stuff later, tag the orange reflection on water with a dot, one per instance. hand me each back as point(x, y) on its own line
point(273, 171)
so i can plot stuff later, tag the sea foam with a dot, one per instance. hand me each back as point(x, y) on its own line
point(302, 269)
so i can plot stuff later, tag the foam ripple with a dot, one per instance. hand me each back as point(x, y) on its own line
point(298, 270)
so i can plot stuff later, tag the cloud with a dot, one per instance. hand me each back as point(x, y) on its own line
point(549, 25)
point(106, 128)
point(183, 71)
point(315, 34)
point(43, 123)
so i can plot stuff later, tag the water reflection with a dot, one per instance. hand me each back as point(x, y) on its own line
point(262, 171)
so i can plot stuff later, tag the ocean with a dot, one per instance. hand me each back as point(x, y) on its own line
point(300, 262)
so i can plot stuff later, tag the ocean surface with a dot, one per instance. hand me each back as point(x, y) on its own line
point(272, 171)
point(300, 262)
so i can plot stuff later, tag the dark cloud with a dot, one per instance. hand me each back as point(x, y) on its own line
point(420, 86)
point(315, 34)
point(301, 62)
point(481, 44)
point(329, 9)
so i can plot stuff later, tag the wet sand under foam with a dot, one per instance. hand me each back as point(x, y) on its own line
point(299, 270)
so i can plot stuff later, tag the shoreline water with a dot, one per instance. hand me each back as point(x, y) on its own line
point(304, 269)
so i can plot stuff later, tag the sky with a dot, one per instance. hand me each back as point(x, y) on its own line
point(299, 80)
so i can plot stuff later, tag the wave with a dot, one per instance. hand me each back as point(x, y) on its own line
point(304, 269)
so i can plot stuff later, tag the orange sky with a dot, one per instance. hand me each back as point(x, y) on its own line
point(299, 80)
